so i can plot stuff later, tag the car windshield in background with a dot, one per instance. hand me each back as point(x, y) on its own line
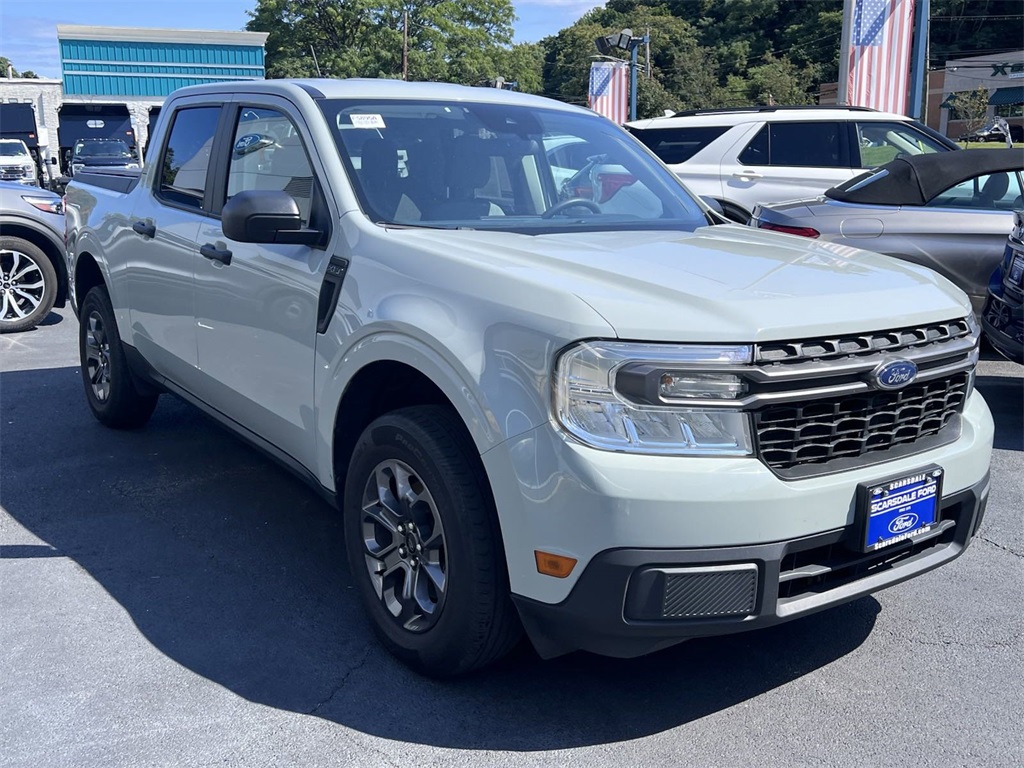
point(113, 148)
point(12, 150)
point(502, 167)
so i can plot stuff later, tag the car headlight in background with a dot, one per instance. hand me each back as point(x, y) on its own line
point(48, 204)
point(654, 398)
point(132, 165)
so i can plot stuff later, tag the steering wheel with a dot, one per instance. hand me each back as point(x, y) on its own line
point(570, 203)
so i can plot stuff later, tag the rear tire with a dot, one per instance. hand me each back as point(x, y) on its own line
point(28, 285)
point(424, 546)
point(109, 388)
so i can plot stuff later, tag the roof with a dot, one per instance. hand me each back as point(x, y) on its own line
point(376, 89)
point(737, 116)
point(917, 179)
point(148, 35)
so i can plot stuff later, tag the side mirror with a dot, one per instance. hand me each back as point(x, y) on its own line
point(265, 216)
point(53, 161)
point(713, 204)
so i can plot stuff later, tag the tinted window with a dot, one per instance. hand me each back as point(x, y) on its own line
point(186, 158)
point(881, 142)
point(756, 152)
point(677, 145)
point(267, 153)
point(813, 145)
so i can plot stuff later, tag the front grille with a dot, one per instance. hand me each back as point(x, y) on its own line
point(816, 432)
point(8, 173)
point(856, 345)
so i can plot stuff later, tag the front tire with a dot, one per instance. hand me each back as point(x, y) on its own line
point(109, 388)
point(28, 285)
point(424, 546)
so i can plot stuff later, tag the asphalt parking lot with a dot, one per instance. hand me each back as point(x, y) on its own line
point(169, 597)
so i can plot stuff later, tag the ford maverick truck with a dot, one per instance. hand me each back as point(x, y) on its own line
point(548, 389)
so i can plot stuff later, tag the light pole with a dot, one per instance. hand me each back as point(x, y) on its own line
point(625, 41)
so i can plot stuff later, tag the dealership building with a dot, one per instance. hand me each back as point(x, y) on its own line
point(120, 76)
point(1002, 75)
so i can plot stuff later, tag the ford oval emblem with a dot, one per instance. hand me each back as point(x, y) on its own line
point(903, 523)
point(895, 374)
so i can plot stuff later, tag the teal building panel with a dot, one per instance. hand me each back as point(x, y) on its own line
point(152, 69)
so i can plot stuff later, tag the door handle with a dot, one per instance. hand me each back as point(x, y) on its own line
point(747, 175)
point(213, 253)
point(144, 229)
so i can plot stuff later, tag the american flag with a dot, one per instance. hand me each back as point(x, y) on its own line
point(880, 45)
point(609, 89)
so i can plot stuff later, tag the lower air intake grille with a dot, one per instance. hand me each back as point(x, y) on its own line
point(819, 431)
point(701, 593)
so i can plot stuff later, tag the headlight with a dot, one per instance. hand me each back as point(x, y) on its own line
point(76, 167)
point(28, 167)
point(132, 165)
point(47, 204)
point(654, 398)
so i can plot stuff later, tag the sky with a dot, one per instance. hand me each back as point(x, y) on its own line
point(28, 30)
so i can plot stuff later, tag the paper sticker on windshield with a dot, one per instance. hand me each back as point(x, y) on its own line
point(367, 121)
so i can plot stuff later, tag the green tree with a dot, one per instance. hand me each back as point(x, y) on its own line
point(5, 63)
point(971, 107)
point(460, 41)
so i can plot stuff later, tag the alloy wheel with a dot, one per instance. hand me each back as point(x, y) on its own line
point(22, 286)
point(404, 545)
point(97, 356)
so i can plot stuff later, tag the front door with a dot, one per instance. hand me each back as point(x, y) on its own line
point(256, 316)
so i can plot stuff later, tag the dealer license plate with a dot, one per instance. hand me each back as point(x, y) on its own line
point(900, 509)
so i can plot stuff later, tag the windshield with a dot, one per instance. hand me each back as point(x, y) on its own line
point(111, 148)
point(13, 149)
point(502, 167)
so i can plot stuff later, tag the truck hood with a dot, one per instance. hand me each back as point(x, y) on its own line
point(717, 284)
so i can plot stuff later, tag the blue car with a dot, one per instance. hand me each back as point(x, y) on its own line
point(1003, 315)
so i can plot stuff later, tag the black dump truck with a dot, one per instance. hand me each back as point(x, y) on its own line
point(96, 135)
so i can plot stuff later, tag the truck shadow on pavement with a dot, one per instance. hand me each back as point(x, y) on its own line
point(235, 570)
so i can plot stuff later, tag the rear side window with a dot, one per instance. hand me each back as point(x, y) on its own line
point(186, 157)
point(807, 145)
point(677, 145)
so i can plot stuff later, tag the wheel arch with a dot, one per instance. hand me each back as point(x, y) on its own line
point(380, 387)
point(44, 242)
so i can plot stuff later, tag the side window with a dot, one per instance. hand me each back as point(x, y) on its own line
point(881, 142)
point(812, 145)
point(267, 153)
point(756, 152)
point(186, 158)
point(995, 192)
point(677, 145)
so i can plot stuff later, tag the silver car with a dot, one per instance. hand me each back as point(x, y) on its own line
point(950, 212)
point(33, 275)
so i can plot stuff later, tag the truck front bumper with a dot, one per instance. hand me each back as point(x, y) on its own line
point(629, 602)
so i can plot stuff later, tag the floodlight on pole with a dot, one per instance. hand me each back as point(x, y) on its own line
point(625, 41)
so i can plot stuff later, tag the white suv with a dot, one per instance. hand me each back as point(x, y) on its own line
point(742, 157)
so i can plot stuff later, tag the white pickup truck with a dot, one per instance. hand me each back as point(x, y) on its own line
point(547, 388)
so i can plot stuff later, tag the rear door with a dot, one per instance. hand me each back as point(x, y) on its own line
point(152, 259)
point(256, 316)
point(788, 161)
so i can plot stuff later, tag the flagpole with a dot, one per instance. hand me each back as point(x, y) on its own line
point(843, 95)
point(919, 65)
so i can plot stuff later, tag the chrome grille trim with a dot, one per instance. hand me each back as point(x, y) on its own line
point(854, 345)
